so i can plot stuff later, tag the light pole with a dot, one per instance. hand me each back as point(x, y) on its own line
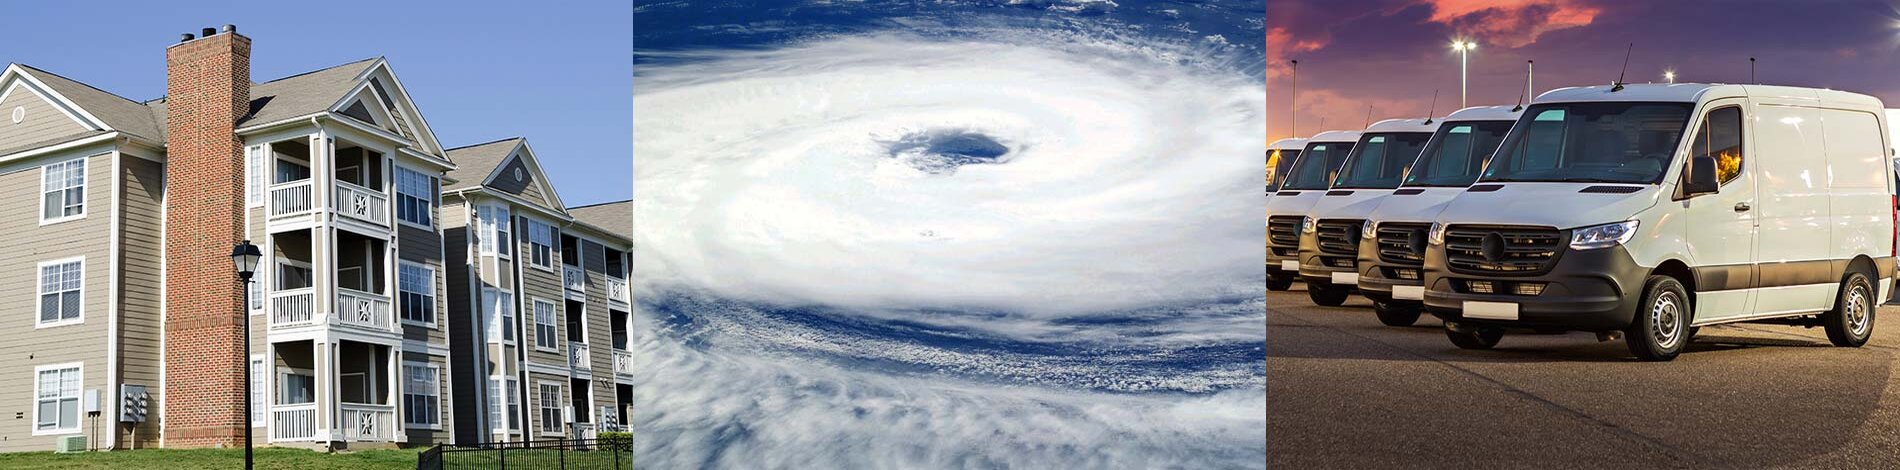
point(1464, 61)
point(245, 256)
point(1670, 75)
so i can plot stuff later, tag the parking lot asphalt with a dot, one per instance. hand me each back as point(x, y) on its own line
point(1344, 391)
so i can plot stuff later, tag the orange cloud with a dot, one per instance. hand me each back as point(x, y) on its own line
point(1511, 23)
point(1281, 46)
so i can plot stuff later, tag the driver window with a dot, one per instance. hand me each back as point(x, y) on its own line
point(1721, 140)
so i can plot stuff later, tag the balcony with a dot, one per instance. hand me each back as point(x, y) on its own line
point(293, 422)
point(579, 357)
point(293, 307)
point(623, 363)
point(362, 203)
point(363, 309)
point(617, 291)
point(574, 277)
point(365, 422)
point(290, 198)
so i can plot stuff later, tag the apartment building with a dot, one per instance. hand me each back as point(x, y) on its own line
point(122, 214)
point(541, 300)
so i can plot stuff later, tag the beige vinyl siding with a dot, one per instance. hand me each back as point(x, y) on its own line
point(505, 179)
point(44, 123)
point(141, 237)
point(424, 247)
point(446, 391)
point(540, 284)
point(532, 427)
point(27, 243)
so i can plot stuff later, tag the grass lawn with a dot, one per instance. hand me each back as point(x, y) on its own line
point(271, 458)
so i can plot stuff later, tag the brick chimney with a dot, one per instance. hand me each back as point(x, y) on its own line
point(207, 89)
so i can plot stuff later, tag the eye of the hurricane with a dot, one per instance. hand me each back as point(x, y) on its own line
point(941, 152)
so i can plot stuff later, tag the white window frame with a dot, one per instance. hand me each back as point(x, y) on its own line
point(77, 398)
point(403, 314)
point(435, 374)
point(536, 229)
point(84, 172)
point(496, 226)
point(277, 393)
point(428, 196)
point(260, 389)
point(500, 327)
point(508, 406)
point(541, 410)
point(255, 176)
point(553, 340)
point(257, 295)
point(39, 291)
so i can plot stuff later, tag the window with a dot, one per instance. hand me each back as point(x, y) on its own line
point(61, 292)
point(415, 197)
point(494, 227)
point(56, 399)
point(63, 191)
point(257, 296)
point(1457, 153)
point(499, 305)
point(292, 170)
point(254, 175)
point(296, 387)
point(540, 244)
point(1721, 139)
point(257, 390)
point(544, 325)
point(421, 395)
point(416, 284)
point(550, 408)
point(1380, 160)
point(292, 274)
point(504, 390)
point(1317, 166)
point(1593, 142)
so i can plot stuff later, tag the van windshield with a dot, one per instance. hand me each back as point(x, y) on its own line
point(1317, 166)
point(1457, 153)
point(1380, 160)
point(1591, 142)
point(1278, 163)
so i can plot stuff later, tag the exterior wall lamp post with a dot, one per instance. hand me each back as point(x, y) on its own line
point(245, 256)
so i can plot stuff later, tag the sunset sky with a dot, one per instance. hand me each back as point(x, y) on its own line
point(1391, 54)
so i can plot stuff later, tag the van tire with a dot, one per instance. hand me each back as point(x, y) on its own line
point(1851, 322)
point(1393, 314)
point(1326, 295)
point(1278, 285)
point(1660, 329)
point(1477, 339)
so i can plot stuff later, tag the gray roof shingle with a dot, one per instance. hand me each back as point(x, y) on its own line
point(119, 113)
point(613, 217)
point(303, 94)
point(473, 163)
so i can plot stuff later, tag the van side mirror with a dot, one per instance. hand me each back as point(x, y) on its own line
point(1701, 177)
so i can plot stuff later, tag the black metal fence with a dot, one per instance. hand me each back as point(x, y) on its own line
point(561, 454)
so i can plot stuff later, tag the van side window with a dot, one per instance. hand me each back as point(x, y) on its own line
point(1721, 139)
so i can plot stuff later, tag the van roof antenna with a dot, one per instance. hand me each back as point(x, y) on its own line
point(1618, 86)
point(1432, 111)
point(1751, 71)
point(1368, 115)
point(1528, 70)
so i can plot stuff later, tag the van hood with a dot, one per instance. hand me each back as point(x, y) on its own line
point(1293, 204)
point(1560, 205)
point(1357, 205)
point(1421, 207)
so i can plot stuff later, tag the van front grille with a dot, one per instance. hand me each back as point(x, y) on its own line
point(1283, 231)
point(1338, 237)
point(1402, 243)
point(1501, 249)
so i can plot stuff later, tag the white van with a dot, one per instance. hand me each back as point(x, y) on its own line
point(1392, 242)
point(1308, 179)
point(1329, 235)
point(1647, 211)
point(1280, 156)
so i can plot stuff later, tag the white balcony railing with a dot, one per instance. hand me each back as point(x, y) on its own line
point(293, 422)
point(579, 357)
point(574, 277)
point(358, 308)
point(290, 198)
point(365, 422)
point(293, 307)
point(617, 290)
point(362, 203)
point(623, 362)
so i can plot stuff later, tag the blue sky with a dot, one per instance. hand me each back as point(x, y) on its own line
point(557, 73)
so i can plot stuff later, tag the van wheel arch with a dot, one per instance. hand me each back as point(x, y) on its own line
point(1680, 271)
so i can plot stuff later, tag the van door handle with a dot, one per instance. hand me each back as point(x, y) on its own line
point(1742, 207)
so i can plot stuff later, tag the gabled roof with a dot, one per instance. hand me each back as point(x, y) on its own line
point(482, 165)
point(112, 111)
point(611, 217)
point(304, 94)
point(473, 163)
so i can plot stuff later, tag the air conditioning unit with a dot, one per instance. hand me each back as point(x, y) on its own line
point(67, 444)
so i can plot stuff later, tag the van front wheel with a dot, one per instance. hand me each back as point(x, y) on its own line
point(1851, 321)
point(1394, 314)
point(1327, 295)
point(1661, 326)
point(1475, 338)
point(1278, 285)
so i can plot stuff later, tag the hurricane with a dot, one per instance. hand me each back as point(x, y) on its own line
point(971, 241)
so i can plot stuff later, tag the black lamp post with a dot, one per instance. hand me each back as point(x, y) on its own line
point(245, 256)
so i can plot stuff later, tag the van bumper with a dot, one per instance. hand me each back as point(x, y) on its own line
point(1314, 270)
point(1373, 282)
point(1592, 290)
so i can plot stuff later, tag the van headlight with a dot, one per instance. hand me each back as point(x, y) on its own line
point(1437, 235)
point(1368, 230)
point(1308, 225)
point(1602, 236)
